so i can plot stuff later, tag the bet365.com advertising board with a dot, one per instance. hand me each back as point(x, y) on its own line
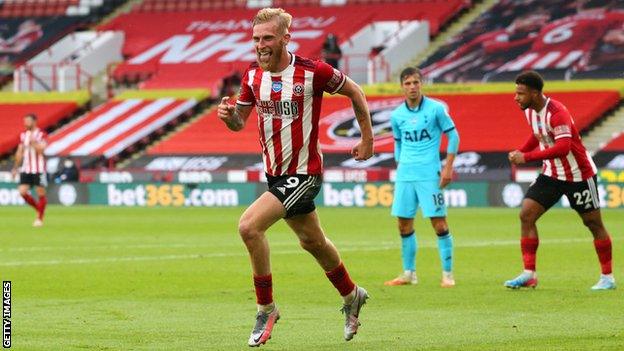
point(363, 195)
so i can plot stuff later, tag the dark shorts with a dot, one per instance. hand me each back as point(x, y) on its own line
point(296, 192)
point(34, 179)
point(583, 196)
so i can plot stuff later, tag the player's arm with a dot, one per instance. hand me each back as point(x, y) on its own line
point(364, 149)
point(562, 127)
point(40, 145)
point(19, 156)
point(396, 133)
point(530, 144)
point(560, 149)
point(451, 150)
point(234, 116)
point(448, 127)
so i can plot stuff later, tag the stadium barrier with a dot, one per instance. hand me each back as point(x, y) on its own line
point(80, 97)
point(362, 195)
point(393, 88)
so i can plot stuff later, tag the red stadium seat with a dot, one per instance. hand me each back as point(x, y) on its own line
point(11, 123)
point(616, 144)
point(116, 126)
point(506, 130)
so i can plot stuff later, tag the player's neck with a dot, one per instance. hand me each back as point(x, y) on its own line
point(540, 103)
point(284, 62)
point(413, 103)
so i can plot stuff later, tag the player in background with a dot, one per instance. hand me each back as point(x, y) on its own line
point(418, 125)
point(568, 170)
point(30, 162)
point(287, 91)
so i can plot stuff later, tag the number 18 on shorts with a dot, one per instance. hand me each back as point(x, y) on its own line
point(427, 195)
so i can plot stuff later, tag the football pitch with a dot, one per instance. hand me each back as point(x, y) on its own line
point(98, 278)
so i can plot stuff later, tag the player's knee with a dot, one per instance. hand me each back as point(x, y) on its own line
point(247, 230)
point(592, 223)
point(312, 245)
point(527, 217)
point(23, 191)
point(405, 228)
point(441, 228)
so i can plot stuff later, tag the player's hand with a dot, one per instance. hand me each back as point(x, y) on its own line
point(225, 110)
point(362, 150)
point(516, 157)
point(14, 173)
point(446, 177)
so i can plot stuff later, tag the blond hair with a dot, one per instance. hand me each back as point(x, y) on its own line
point(268, 14)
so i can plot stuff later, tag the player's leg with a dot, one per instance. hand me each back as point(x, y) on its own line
point(41, 195)
point(583, 197)
point(24, 189)
point(540, 196)
point(431, 199)
point(312, 238)
point(445, 250)
point(254, 222)
point(404, 207)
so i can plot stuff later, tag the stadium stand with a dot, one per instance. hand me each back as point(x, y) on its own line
point(11, 123)
point(28, 27)
point(480, 129)
point(116, 126)
point(616, 144)
point(561, 39)
point(201, 49)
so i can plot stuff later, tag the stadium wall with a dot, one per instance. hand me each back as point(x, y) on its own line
point(394, 88)
point(348, 194)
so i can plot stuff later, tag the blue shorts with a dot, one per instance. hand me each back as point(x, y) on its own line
point(426, 194)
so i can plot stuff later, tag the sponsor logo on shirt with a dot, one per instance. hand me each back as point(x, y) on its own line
point(276, 86)
point(287, 109)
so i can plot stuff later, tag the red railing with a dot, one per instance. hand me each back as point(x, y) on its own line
point(51, 77)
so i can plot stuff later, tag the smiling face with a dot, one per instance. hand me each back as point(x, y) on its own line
point(270, 44)
point(411, 87)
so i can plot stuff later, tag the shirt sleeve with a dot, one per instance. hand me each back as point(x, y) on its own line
point(246, 96)
point(327, 78)
point(561, 124)
point(530, 144)
point(396, 132)
point(444, 120)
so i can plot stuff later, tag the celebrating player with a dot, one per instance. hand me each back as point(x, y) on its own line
point(417, 126)
point(568, 170)
point(287, 91)
point(31, 164)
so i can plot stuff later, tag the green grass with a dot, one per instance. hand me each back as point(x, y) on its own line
point(99, 278)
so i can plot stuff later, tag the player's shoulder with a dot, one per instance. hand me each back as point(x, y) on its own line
point(398, 111)
point(556, 107)
point(253, 65)
point(306, 63)
point(433, 104)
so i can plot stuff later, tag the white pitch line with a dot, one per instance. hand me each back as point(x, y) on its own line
point(159, 246)
point(345, 248)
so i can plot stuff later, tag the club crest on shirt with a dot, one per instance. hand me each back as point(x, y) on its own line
point(276, 86)
point(298, 89)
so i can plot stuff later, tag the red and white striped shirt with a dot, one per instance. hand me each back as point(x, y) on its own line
point(289, 107)
point(554, 122)
point(33, 161)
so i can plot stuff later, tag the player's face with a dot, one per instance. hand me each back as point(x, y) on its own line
point(411, 87)
point(270, 44)
point(524, 96)
point(29, 123)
